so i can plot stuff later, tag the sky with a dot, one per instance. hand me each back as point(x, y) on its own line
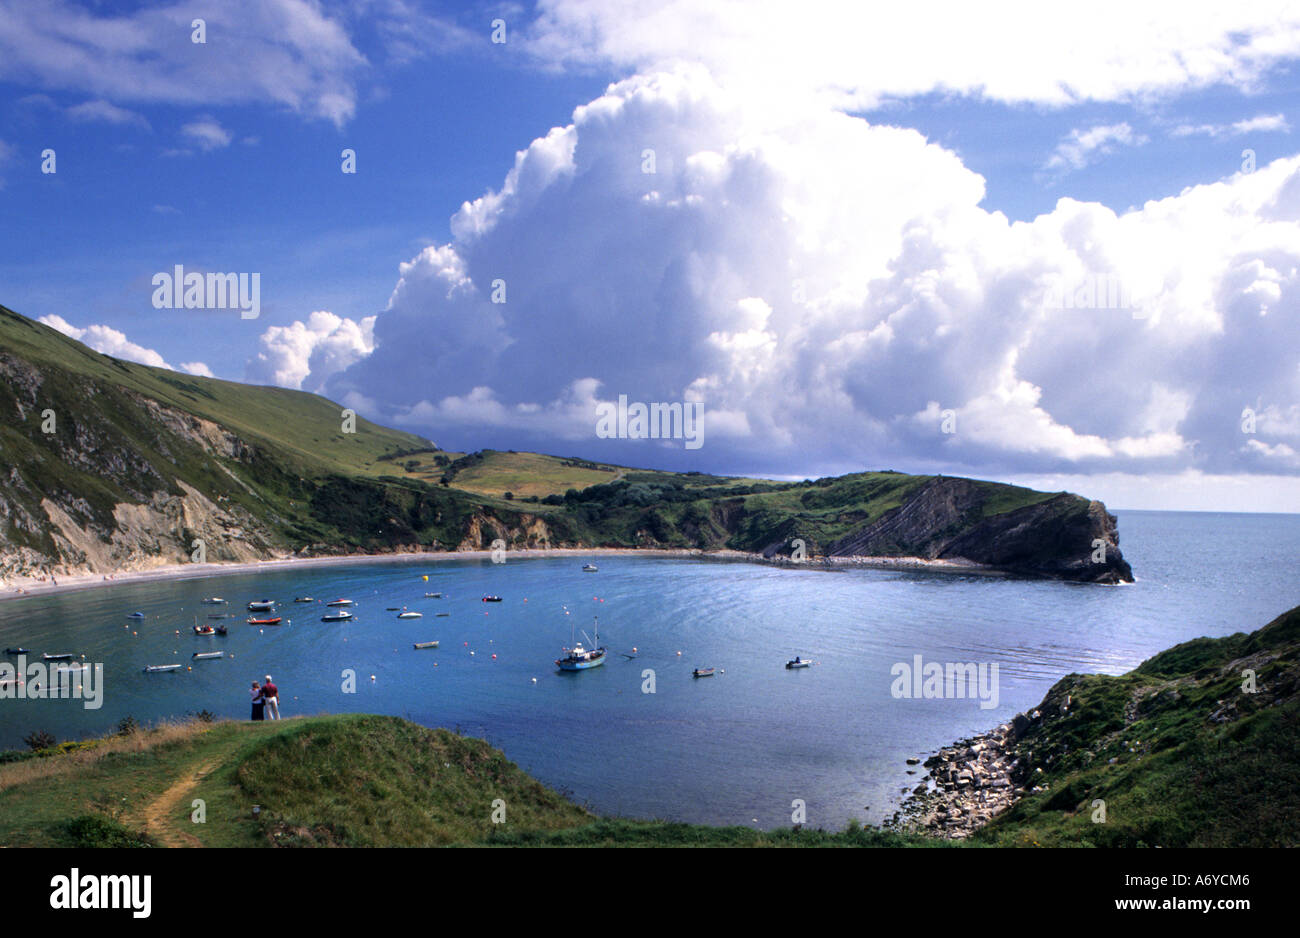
point(1051, 245)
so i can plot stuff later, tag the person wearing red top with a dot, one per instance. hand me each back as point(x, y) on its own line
point(271, 694)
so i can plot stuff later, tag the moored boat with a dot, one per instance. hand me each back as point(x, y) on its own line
point(155, 668)
point(340, 602)
point(269, 620)
point(410, 615)
point(425, 644)
point(579, 658)
point(304, 599)
point(135, 615)
point(341, 616)
point(590, 568)
point(210, 630)
point(491, 599)
point(18, 651)
point(207, 654)
point(702, 672)
point(261, 605)
point(433, 595)
point(798, 663)
point(212, 601)
point(56, 657)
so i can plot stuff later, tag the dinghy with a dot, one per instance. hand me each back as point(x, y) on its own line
point(261, 605)
point(433, 595)
point(590, 568)
point(491, 599)
point(304, 599)
point(442, 615)
point(155, 668)
point(207, 654)
point(212, 601)
point(18, 651)
point(341, 616)
point(269, 620)
point(56, 657)
point(702, 672)
point(135, 615)
point(210, 630)
point(798, 663)
point(341, 602)
point(410, 615)
point(426, 644)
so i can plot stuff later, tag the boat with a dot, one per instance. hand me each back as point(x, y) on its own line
point(18, 651)
point(269, 620)
point(433, 595)
point(341, 602)
point(135, 615)
point(491, 599)
point(336, 616)
point(207, 654)
point(426, 644)
point(442, 615)
point(590, 568)
point(212, 601)
point(65, 668)
point(579, 658)
point(304, 599)
point(210, 630)
point(702, 672)
point(261, 605)
point(155, 668)
point(56, 657)
point(410, 615)
point(216, 615)
point(798, 663)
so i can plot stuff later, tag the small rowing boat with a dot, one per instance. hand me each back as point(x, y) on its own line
point(135, 615)
point(212, 601)
point(56, 657)
point(442, 615)
point(590, 568)
point(426, 644)
point(410, 615)
point(304, 599)
point(341, 602)
point(491, 599)
point(155, 668)
point(216, 615)
point(341, 616)
point(207, 654)
point(269, 620)
point(702, 672)
point(261, 605)
point(18, 651)
point(433, 595)
point(798, 663)
point(210, 630)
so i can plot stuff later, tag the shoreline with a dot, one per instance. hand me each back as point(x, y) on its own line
point(29, 587)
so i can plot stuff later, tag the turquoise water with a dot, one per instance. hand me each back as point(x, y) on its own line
point(732, 748)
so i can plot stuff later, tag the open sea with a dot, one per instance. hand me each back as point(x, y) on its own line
point(736, 748)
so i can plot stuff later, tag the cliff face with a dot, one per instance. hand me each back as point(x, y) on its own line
point(1063, 537)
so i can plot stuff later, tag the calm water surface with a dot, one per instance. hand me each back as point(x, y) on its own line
point(735, 748)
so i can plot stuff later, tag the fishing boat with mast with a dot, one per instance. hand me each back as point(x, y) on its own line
point(579, 658)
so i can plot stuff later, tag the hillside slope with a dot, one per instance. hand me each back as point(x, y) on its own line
point(1198, 746)
point(115, 466)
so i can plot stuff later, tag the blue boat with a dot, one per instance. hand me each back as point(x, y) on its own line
point(579, 658)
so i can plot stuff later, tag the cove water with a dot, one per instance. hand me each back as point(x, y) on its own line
point(736, 748)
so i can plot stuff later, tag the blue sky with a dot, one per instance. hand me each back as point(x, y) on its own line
point(846, 237)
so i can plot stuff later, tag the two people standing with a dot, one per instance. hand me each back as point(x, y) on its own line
point(266, 700)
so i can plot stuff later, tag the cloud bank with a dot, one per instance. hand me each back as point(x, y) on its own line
point(835, 294)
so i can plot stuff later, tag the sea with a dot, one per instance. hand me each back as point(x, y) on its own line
point(755, 744)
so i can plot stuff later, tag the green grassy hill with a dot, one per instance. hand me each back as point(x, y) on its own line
point(114, 465)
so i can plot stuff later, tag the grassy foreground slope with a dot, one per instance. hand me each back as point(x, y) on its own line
point(1197, 747)
point(350, 780)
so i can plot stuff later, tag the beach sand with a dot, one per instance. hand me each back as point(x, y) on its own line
point(26, 587)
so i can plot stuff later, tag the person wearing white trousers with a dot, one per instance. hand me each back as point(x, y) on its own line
point(271, 694)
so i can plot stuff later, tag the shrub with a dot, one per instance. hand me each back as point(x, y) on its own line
point(39, 739)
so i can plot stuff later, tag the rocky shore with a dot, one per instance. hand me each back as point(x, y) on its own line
point(968, 784)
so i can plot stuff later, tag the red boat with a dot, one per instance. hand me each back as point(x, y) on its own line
point(273, 620)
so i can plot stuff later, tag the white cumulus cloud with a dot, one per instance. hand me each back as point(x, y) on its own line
point(305, 354)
